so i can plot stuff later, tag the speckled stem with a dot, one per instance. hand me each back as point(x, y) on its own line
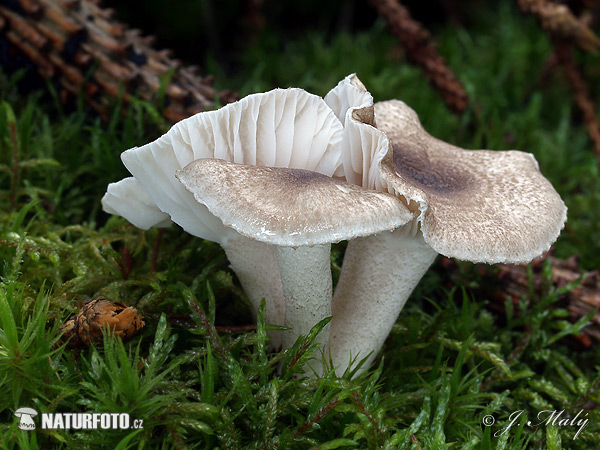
point(255, 264)
point(306, 279)
point(378, 275)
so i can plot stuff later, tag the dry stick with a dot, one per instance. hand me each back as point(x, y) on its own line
point(559, 21)
point(79, 46)
point(416, 40)
point(235, 329)
point(580, 91)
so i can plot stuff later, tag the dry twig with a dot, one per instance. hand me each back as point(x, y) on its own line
point(559, 21)
point(566, 29)
point(77, 44)
point(580, 91)
point(416, 40)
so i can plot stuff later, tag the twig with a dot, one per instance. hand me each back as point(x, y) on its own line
point(79, 46)
point(559, 21)
point(235, 329)
point(580, 91)
point(186, 320)
point(419, 49)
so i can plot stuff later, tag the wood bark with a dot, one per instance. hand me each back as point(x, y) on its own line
point(417, 43)
point(78, 45)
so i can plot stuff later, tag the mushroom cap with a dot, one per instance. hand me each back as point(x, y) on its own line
point(364, 146)
point(29, 411)
point(290, 207)
point(349, 93)
point(279, 128)
point(129, 199)
point(476, 205)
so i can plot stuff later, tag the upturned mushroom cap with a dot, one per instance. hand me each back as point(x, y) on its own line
point(280, 128)
point(362, 143)
point(129, 199)
point(290, 207)
point(349, 94)
point(476, 205)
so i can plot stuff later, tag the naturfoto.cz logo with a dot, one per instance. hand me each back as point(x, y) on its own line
point(77, 421)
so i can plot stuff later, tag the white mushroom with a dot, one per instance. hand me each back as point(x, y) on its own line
point(128, 198)
point(26, 415)
point(281, 128)
point(300, 213)
point(480, 206)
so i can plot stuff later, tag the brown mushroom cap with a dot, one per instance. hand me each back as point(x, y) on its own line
point(476, 205)
point(290, 207)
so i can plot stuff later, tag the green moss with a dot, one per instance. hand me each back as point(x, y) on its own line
point(449, 361)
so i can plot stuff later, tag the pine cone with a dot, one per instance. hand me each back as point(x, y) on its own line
point(86, 327)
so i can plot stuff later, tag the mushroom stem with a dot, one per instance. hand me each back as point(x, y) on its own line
point(378, 275)
point(307, 289)
point(255, 263)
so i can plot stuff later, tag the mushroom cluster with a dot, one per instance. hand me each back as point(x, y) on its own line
point(275, 178)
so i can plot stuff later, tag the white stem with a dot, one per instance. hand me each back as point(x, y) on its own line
point(255, 263)
point(306, 279)
point(378, 275)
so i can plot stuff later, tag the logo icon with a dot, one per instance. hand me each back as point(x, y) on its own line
point(26, 415)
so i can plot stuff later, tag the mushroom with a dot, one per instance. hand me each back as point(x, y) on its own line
point(281, 128)
point(26, 415)
point(475, 205)
point(128, 198)
point(299, 213)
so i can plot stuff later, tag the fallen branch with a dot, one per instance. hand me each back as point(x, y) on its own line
point(559, 21)
point(581, 92)
point(76, 44)
point(416, 40)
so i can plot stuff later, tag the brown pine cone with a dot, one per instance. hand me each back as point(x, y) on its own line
point(86, 327)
